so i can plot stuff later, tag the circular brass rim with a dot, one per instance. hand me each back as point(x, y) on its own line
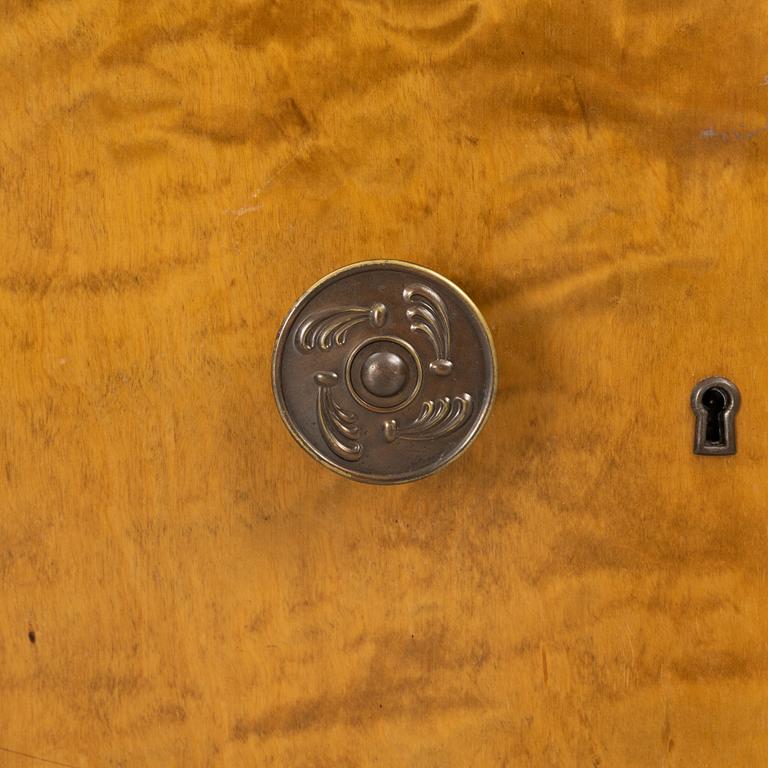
point(282, 338)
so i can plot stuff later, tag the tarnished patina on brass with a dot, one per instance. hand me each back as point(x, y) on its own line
point(384, 371)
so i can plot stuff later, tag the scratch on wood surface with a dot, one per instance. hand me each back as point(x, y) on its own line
point(273, 176)
point(36, 757)
point(739, 135)
point(245, 209)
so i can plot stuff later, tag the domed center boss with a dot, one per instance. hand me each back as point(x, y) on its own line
point(384, 371)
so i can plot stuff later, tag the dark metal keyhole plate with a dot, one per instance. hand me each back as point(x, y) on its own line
point(715, 401)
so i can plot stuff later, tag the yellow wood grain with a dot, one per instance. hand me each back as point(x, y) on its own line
point(578, 589)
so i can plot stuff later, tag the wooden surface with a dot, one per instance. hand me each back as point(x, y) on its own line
point(180, 585)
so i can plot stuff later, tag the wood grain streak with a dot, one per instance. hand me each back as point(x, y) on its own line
point(180, 585)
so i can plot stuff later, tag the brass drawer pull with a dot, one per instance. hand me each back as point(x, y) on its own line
point(384, 371)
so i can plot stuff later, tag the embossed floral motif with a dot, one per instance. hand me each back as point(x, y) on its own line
point(329, 327)
point(437, 418)
point(430, 316)
point(338, 427)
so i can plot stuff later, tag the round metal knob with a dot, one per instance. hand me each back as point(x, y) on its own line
point(384, 371)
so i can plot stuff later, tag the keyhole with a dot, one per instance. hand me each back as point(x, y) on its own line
point(715, 400)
